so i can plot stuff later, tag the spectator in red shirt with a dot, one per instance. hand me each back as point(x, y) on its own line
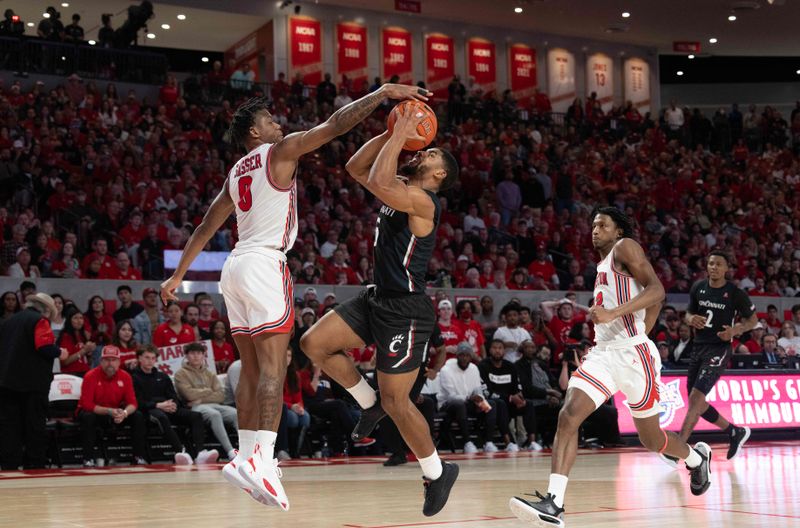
point(99, 323)
point(134, 231)
point(75, 339)
point(774, 323)
point(294, 412)
point(452, 330)
point(543, 266)
point(337, 264)
point(191, 315)
point(127, 345)
point(100, 252)
point(473, 331)
point(173, 331)
point(122, 270)
point(169, 93)
point(223, 350)
point(280, 88)
point(560, 322)
point(108, 401)
point(207, 312)
point(753, 343)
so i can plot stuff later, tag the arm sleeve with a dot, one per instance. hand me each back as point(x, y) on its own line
point(693, 307)
point(744, 305)
point(44, 340)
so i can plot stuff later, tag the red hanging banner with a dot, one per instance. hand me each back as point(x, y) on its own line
point(522, 73)
point(396, 53)
point(351, 53)
point(305, 49)
point(439, 64)
point(481, 63)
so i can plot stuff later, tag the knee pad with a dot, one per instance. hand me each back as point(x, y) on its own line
point(710, 415)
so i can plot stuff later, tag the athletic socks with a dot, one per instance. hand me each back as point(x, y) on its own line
point(694, 459)
point(247, 442)
point(363, 394)
point(431, 466)
point(557, 488)
point(266, 442)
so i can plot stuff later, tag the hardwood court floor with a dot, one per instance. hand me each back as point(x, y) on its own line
point(608, 488)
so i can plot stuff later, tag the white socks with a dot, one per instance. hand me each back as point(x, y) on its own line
point(363, 394)
point(247, 442)
point(694, 459)
point(431, 466)
point(266, 442)
point(558, 487)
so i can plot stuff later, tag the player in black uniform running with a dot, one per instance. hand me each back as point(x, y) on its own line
point(394, 313)
point(714, 304)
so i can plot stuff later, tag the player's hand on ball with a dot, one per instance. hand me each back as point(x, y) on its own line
point(600, 315)
point(407, 124)
point(168, 288)
point(726, 334)
point(698, 322)
point(404, 91)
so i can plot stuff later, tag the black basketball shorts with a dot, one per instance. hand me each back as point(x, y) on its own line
point(707, 365)
point(399, 325)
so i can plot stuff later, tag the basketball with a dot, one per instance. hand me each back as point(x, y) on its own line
point(427, 127)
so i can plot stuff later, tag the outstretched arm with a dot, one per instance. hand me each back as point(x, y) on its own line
point(221, 208)
point(295, 145)
point(630, 255)
point(359, 164)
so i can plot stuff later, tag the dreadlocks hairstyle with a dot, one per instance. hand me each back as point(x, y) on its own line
point(621, 220)
point(243, 119)
point(721, 254)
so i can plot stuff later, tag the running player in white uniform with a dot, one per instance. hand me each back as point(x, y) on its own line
point(627, 299)
point(256, 282)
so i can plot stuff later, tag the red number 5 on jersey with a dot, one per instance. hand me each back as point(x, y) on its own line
point(245, 196)
point(598, 301)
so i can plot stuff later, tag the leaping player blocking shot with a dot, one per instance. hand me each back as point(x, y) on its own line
point(394, 313)
point(714, 304)
point(627, 299)
point(256, 282)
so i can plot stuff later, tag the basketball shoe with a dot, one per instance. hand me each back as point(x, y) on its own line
point(265, 477)
point(368, 421)
point(739, 435)
point(543, 513)
point(437, 491)
point(669, 460)
point(231, 474)
point(700, 476)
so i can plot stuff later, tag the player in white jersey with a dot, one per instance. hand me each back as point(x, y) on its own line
point(256, 282)
point(627, 299)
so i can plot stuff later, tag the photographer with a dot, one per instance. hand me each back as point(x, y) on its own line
point(601, 424)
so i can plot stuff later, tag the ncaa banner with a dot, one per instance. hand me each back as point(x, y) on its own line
point(351, 53)
point(637, 84)
point(396, 54)
point(600, 79)
point(439, 64)
point(560, 78)
point(170, 358)
point(522, 73)
point(481, 65)
point(305, 49)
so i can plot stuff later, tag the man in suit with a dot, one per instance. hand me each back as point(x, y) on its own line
point(769, 350)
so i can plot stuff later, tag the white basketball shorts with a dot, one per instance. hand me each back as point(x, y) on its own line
point(258, 291)
point(630, 365)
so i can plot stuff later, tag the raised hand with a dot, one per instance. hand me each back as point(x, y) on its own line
point(404, 91)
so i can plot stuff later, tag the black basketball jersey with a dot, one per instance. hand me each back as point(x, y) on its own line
point(719, 306)
point(401, 259)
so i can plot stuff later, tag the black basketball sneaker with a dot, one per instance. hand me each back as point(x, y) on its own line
point(368, 421)
point(437, 491)
point(700, 476)
point(544, 513)
point(739, 436)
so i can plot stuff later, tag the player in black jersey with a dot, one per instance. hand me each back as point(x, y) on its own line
point(714, 304)
point(394, 313)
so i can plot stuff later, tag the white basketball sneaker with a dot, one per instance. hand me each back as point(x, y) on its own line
point(265, 477)
point(231, 474)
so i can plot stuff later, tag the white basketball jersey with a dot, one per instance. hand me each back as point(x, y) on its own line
point(611, 289)
point(265, 213)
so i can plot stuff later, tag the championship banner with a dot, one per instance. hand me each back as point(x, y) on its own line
point(600, 79)
point(439, 64)
point(396, 54)
point(637, 84)
point(522, 73)
point(170, 358)
point(351, 52)
point(759, 401)
point(305, 49)
point(481, 65)
point(560, 78)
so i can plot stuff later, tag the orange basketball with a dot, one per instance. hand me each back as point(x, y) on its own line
point(427, 127)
